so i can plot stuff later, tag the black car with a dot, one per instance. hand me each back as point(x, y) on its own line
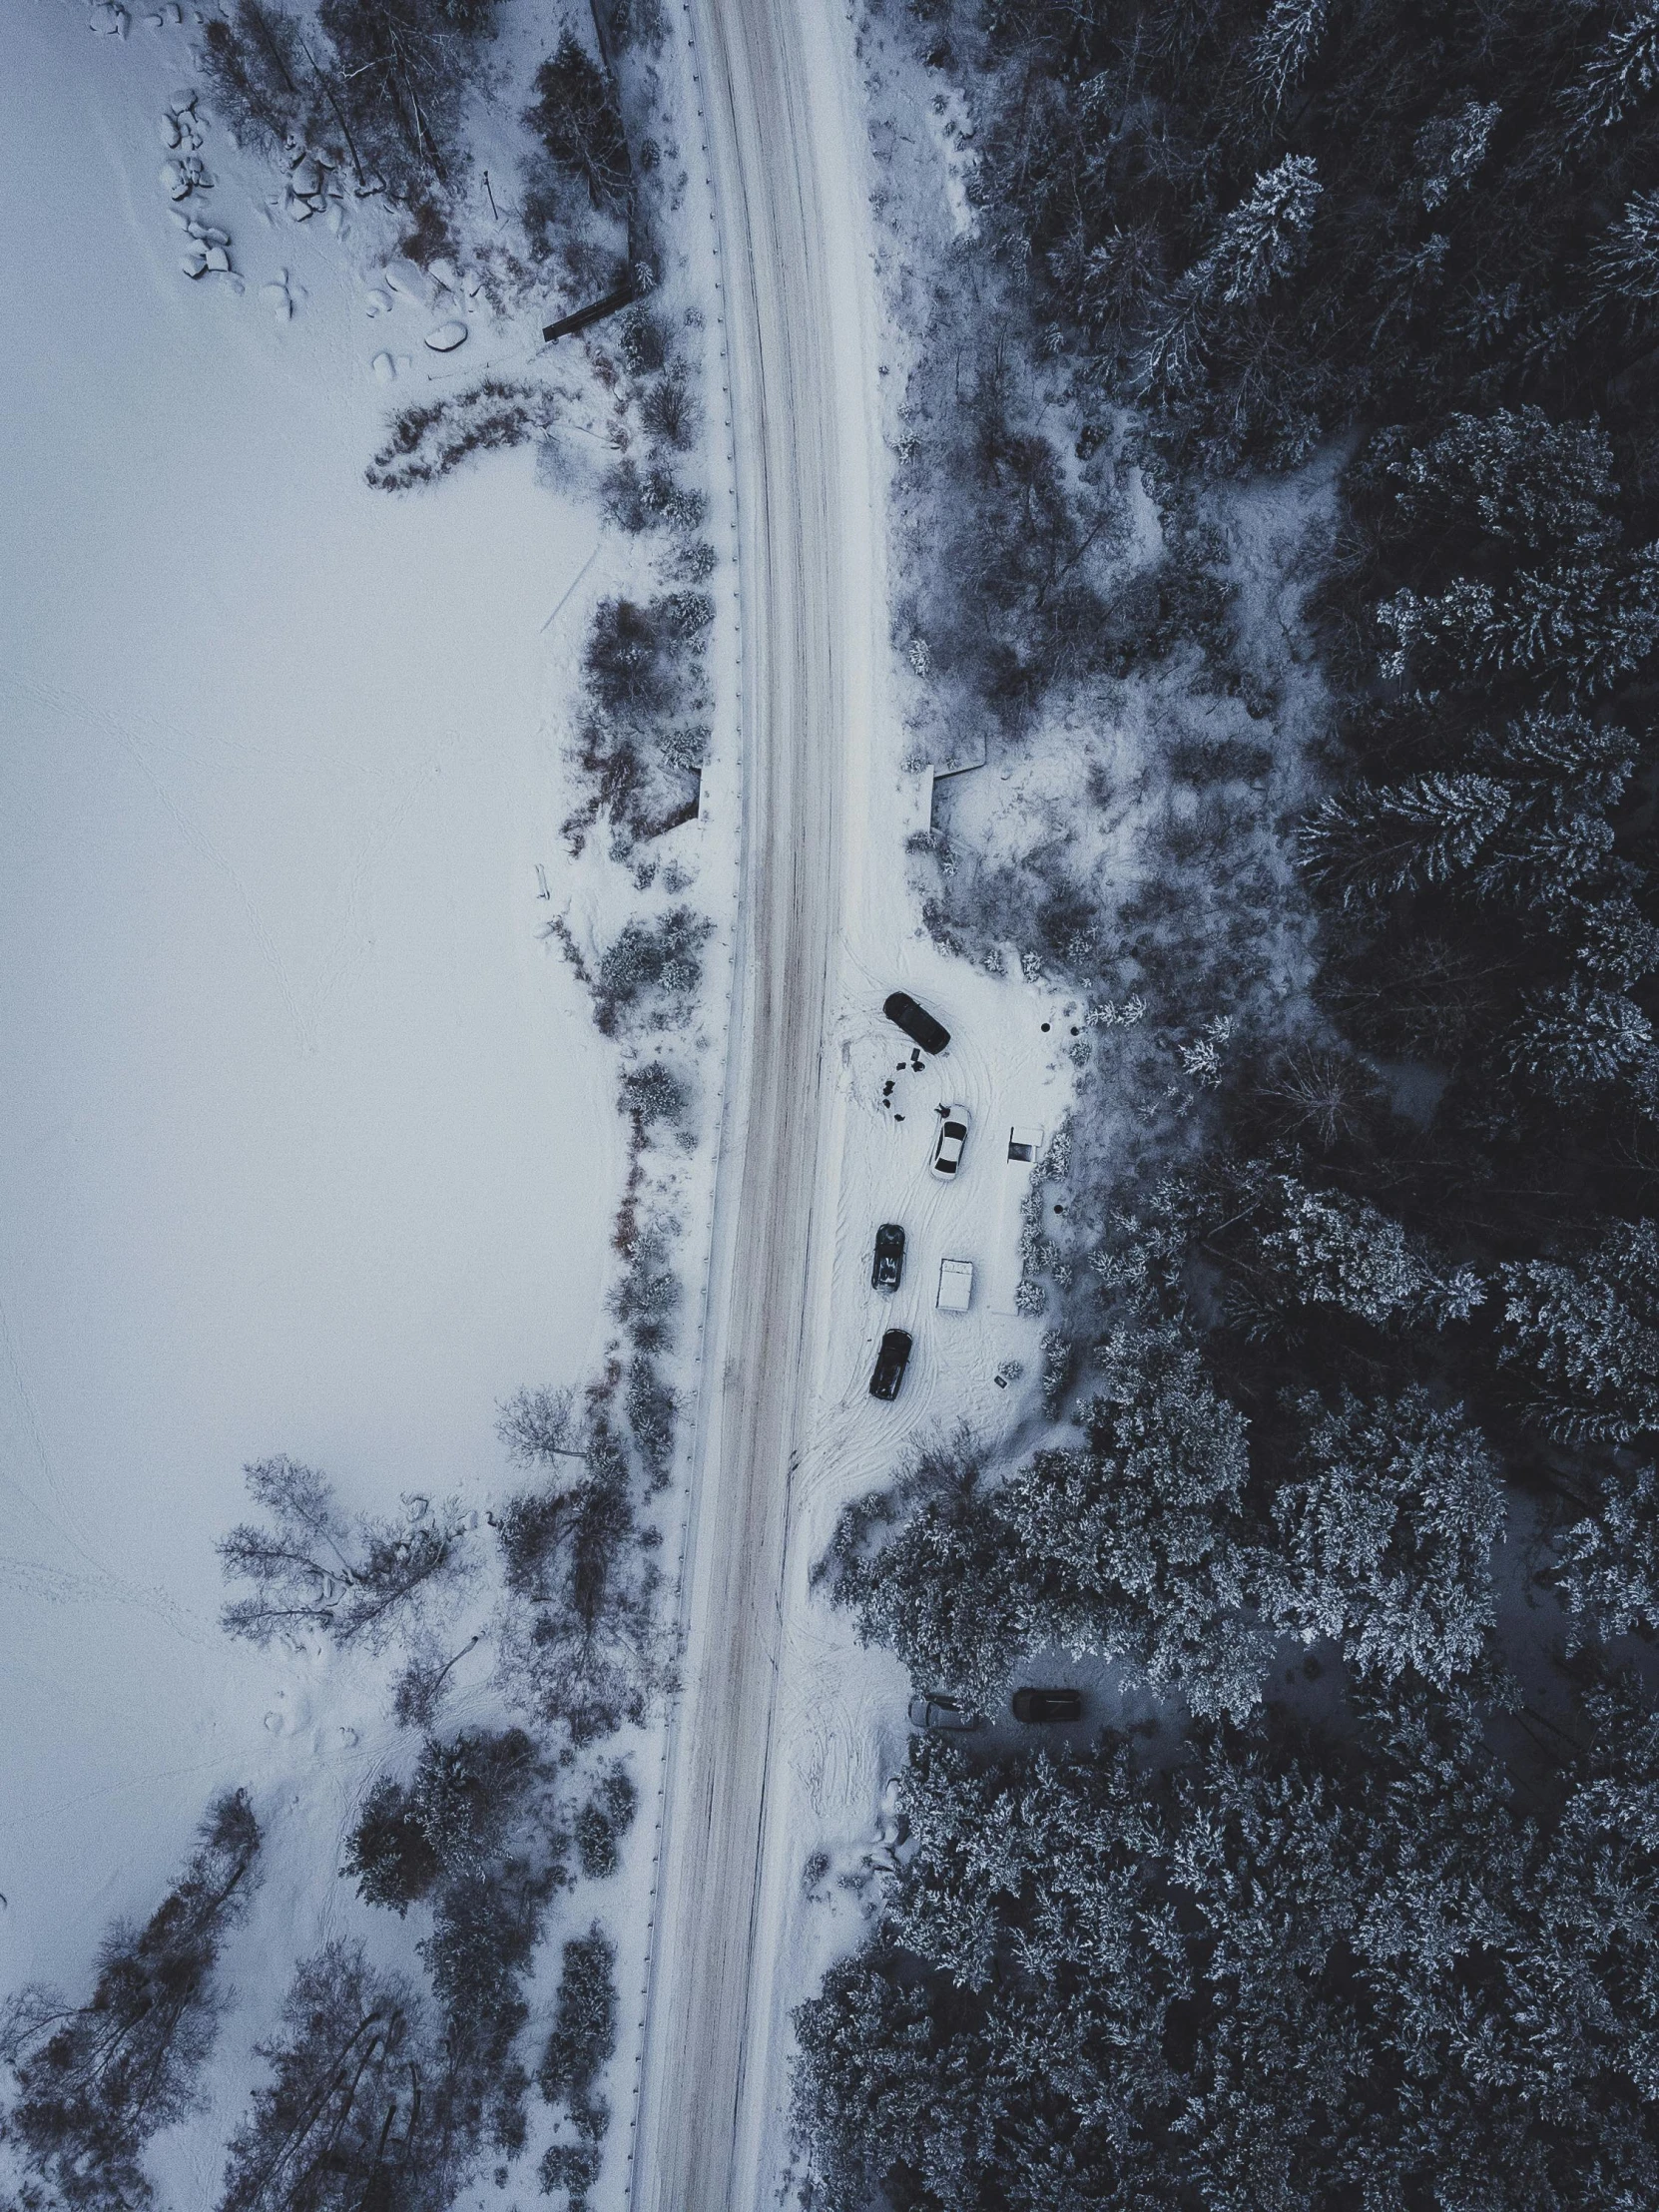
point(917, 1022)
point(1049, 1705)
point(888, 1269)
point(890, 1362)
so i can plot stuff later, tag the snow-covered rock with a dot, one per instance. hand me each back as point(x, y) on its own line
point(305, 178)
point(446, 336)
point(107, 20)
point(184, 100)
point(168, 125)
point(279, 299)
point(410, 282)
point(378, 302)
point(217, 259)
point(384, 368)
point(195, 261)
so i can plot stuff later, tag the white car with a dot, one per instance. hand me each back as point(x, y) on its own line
point(948, 1145)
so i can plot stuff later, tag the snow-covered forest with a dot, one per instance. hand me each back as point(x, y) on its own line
point(1277, 473)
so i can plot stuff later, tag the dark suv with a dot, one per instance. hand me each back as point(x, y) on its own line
point(917, 1022)
point(1049, 1705)
point(888, 1270)
point(890, 1362)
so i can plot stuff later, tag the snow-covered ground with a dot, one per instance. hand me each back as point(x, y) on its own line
point(309, 1144)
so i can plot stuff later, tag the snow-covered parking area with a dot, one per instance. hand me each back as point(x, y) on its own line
point(309, 1144)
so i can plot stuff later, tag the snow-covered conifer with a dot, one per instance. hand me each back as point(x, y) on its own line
point(1618, 78)
point(1388, 1533)
point(1572, 1038)
point(1283, 48)
point(1581, 1335)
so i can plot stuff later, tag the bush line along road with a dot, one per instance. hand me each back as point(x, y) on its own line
point(785, 184)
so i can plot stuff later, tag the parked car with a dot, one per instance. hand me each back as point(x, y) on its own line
point(1036, 1706)
point(890, 1362)
point(888, 1269)
point(917, 1022)
point(936, 1711)
point(955, 1286)
point(948, 1145)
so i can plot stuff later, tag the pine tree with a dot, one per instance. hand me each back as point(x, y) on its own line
point(1332, 1249)
point(1283, 47)
point(1582, 1334)
point(1512, 475)
point(1451, 148)
point(1265, 238)
point(1624, 267)
point(1369, 842)
point(1582, 625)
point(1136, 1546)
point(1608, 1567)
point(351, 2117)
point(96, 2081)
point(1387, 1534)
point(1618, 78)
point(942, 1591)
point(1573, 1039)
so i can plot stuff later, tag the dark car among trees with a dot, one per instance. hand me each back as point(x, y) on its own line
point(1038, 1706)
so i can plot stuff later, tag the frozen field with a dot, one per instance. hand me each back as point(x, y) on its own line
point(307, 1142)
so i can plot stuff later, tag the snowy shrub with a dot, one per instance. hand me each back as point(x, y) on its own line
point(260, 86)
point(604, 1821)
point(94, 2081)
point(645, 733)
point(650, 973)
point(1057, 1358)
point(643, 342)
point(648, 1294)
point(580, 1646)
point(652, 1411)
point(541, 1426)
point(577, 120)
point(637, 500)
point(653, 1094)
point(670, 411)
point(358, 1581)
point(582, 2042)
point(354, 2111)
point(430, 439)
point(405, 68)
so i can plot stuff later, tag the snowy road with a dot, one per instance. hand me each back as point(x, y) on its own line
point(788, 187)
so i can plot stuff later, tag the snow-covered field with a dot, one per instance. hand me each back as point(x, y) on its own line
point(308, 1143)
